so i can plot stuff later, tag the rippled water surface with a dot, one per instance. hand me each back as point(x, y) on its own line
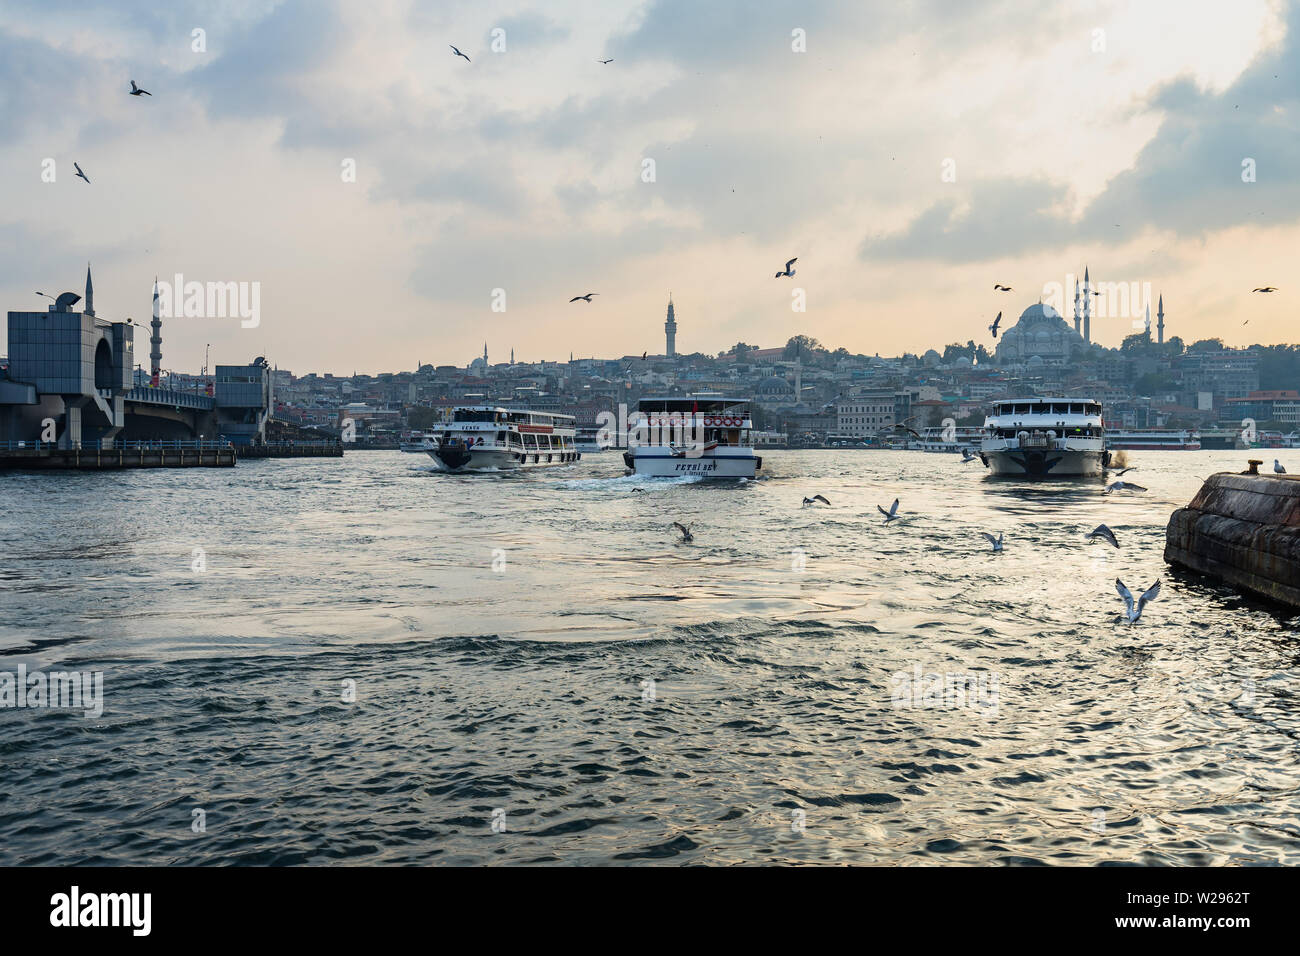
point(540, 646)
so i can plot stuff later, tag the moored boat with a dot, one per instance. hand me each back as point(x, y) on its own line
point(944, 438)
point(1153, 439)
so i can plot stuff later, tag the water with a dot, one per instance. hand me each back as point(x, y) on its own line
point(616, 696)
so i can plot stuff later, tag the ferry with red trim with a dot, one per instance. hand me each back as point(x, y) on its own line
point(490, 437)
point(706, 435)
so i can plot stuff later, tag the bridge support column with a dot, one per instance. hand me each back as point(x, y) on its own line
point(71, 437)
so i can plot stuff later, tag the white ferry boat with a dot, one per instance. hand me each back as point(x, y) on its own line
point(418, 442)
point(706, 435)
point(938, 438)
point(1154, 439)
point(1044, 437)
point(491, 437)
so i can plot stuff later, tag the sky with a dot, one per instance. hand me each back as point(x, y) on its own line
point(909, 154)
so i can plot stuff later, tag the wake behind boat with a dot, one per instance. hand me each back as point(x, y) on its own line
point(706, 435)
point(491, 437)
point(1044, 437)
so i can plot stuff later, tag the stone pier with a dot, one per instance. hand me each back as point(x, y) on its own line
point(1244, 531)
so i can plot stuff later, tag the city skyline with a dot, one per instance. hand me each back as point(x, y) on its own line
point(523, 170)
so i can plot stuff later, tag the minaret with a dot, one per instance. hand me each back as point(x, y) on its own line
point(1087, 308)
point(670, 327)
point(90, 294)
point(485, 360)
point(512, 355)
point(1148, 325)
point(1160, 320)
point(1078, 318)
point(155, 340)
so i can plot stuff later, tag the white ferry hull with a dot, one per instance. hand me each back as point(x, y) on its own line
point(1045, 463)
point(658, 462)
point(452, 459)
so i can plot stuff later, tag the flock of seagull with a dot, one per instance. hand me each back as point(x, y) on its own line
point(134, 91)
point(1132, 608)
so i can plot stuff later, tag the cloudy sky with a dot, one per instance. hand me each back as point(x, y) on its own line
point(911, 156)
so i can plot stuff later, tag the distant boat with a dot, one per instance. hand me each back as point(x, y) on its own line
point(594, 439)
point(965, 436)
point(418, 442)
point(1044, 438)
point(1153, 439)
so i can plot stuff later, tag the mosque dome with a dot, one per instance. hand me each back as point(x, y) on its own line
point(775, 385)
point(931, 357)
point(1040, 333)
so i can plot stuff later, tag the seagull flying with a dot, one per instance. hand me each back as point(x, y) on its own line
point(1104, 533)
point(788, 271)
point(610, 60)
point(1001, 288)
point(966, 456)
point(80, 173)
point(996, 542)
point(1123, 486)
point(1277, 468)
point(891, 514)
point(1133, 613)
point(458, 53)
point(994, 327)
point(814, 499)
point(1265, 288)
point(585, 298)
point(136, 91)
point(685, 530)
point(1123, 470)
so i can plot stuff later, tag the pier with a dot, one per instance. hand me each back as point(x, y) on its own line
point(103, 456)
point(1244, 531)
point(292, 449)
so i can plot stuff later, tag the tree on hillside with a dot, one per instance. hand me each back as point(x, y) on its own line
point(419, 417)
point(801, 345)
point(1136, 342)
